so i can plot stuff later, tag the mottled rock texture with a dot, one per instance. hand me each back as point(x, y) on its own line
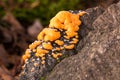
point(98, 55)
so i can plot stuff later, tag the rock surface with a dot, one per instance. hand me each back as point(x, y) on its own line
point(98, 55)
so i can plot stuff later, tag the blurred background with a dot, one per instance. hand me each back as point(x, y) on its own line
point(22, 20)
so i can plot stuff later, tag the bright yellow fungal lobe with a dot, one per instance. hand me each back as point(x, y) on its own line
point(56, 55)
point(59, 42)
point(70, 34)
point(49, 34)
point(47, 46)
point(41, 52)
point(67, 21)
point(52, 35)
point(72, 27)
point(24, 57)
point(34, 44)
point(59, 19)
point(82, 13)
point(76, 36)
point(69, 46)
point(28, 51)
point(56, 23)
point(34, 50)
point(43, 58)
point(39, 55)
point(41, 35)
point(74, 41)
point(27, 54)
point(64, 19)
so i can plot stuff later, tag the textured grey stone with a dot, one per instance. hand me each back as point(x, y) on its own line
point(98, 55)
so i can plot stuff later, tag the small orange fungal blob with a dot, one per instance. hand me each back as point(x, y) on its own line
point(56, 55)
point(43, 62)
point(57, 48)
point(47, 46)
point(59, 42)
point(40, 52)
point(24, 57)
point(74, 41)
point(27, 54)
point(36, 64)
point(69, 46)
point(34, 44)
point(39, 55)
point(33, 60)
point(28, 51)
point(70, 34)
point(32, 69)
point(82, 13)
point(49, 34)
point(43, 58)
point(76, 36)
point(34, 50)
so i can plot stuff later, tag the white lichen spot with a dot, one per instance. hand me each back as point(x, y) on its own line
point(38, 59)
point(101, 49)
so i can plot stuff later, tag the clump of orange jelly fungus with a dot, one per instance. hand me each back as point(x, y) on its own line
point(47, 46)
point(56, 55)
point(59, 42)
point(69, 46)
point(34, 44)
point(65, 22)
point(49, 34)
point(27, 54)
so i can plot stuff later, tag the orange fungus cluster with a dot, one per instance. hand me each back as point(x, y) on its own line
point(62, 33)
